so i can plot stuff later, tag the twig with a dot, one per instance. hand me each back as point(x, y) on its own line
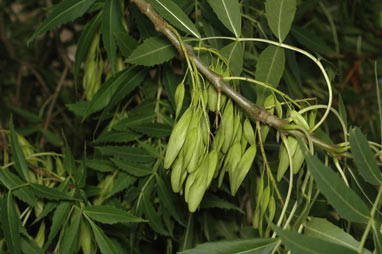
point(52, 104)
point(255, 112)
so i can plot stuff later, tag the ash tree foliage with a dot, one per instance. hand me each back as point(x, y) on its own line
point(217, 127)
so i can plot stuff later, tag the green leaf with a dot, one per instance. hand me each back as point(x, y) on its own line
point(84, 42)
point(64, 12)
point(70, 238)
point(346, 202)
point(21, 164)
point(104, 243)
point(10, 224)
point(154, 218)
point(49, 193)
point(135, 169)
point(117, 137)
point(280, 15)
point(110, 214)
point(212, 201)
point(323, 229)
point(68, 162)
point(269, 69)
point(301, 244)
point(126, 152)
point(175, 16)
point(126, 43)
point(106, 92)
point(10, 181)
point(153, 129)
point(152, 51)
point(59, 216)
point(30, 246)
point(134, 120)
point(311, 41)
point(364, 158)
point(252, 246)
point(233, 52)
point(122, 182)
point(228, 12)
point(168, 200)
point(111, 20)
point(101, 165)
point(342, 110)
point(170, 81)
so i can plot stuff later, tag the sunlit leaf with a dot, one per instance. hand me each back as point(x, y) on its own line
point(364, 158)
point(280, 14)
point(346, 202)
point(21, 164)
point(152, 51)
point(64, 12)
point(301, 244)
point(228, 12)
point(269, 69)
point(252, 246)
point(233, 52)
point(175, 16)
point(110, 214)
point(323, 229)
point(10, 224)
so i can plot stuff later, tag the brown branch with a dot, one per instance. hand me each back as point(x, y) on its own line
point(255, 112)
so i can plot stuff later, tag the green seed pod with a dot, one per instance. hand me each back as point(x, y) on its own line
point(198, 188)
point(243, 143)
point(265, 200)
point(85, 238)
point(190, 143)
point(197, 154)
point(176, 174)
point(227, 125)
point(179, 96)
point(298, 159)
point(177, 138)
point(238, 129)
point(284, 158)
point(269, 101)
point(189, 181)
point(249, 133)
point(212, 98)
point(205, 127)
point(242, 168)
point(212, 163)
point(256, 218)
point(271, 208)
point(219, 139)
point(40, 237)
point(312, 118)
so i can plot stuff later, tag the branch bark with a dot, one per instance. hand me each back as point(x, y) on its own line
point(254, 111)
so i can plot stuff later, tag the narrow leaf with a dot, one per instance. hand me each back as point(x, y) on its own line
point(59, 216)
point(153, 129)
point(175, 15)
point(155, 220)
point(167, 198)
point(346, 202)
point(104, 243)
point(310, 40)
point(117, 137)
point(269, 69)
point(10, 224)
point(364, 158)
point(342, 110)
point(30, 246)
point(228, 12)
point(126, 43)
point(212, 201)
point(152, 51)
point(233, 52)
point(49, 193)
point(70, 238)
point(301, 244)
point(122, 182)
point(84, 42)
point(10, 181)
point(126, 152)
point(111, 19)
point(325, 230)
point(253, 246)
point(21, 164)
point(63, 12)
point(110, 214)
point(280, 15)
point(135, 169)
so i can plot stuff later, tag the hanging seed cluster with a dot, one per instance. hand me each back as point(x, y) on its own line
point(197, 153)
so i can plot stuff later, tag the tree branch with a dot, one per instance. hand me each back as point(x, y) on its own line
point(254, 111)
